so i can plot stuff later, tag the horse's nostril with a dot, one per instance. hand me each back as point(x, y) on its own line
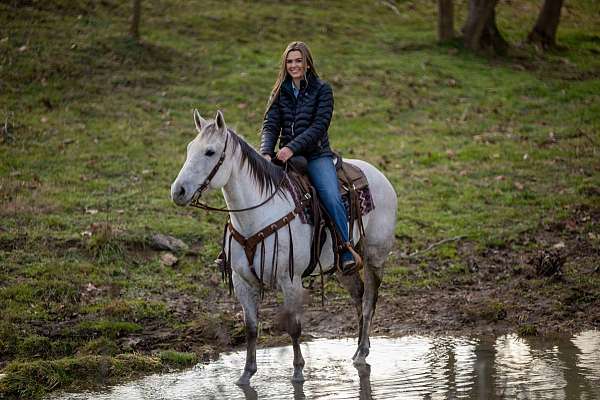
point(181, 192)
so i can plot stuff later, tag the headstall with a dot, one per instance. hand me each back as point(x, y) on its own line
point(195, 202)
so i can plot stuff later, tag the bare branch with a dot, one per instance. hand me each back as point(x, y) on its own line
point(418, 253)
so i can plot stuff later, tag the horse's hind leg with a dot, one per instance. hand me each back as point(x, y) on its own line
point(248, 297)
point(372, 278)
point(354, 285)
point(294, 296)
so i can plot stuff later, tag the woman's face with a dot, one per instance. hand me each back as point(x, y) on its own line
point(294, 64)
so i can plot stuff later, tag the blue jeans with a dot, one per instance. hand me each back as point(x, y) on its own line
point(321, 172)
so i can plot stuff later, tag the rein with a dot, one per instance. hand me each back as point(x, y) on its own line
point(195, 202)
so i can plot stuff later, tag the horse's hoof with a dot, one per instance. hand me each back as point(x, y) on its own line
point(359, 362)
point(243, 381)
point(360, 358)
point(245, 378)
point(364, 370)
point(298, 376)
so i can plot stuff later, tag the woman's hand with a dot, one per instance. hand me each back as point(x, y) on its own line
point(284, 154)
point(267, 157)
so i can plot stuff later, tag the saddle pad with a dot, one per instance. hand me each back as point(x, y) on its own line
point(365, 200)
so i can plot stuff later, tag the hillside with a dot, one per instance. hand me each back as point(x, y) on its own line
point(496, 162)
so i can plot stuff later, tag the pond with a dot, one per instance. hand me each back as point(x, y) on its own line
point(410, 367)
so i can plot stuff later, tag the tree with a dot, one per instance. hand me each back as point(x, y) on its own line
point(445, 20)
point(480, 31)
point(544, 31)
point(134, 28)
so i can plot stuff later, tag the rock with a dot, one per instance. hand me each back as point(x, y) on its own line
point(158, 241)
point(168, 259)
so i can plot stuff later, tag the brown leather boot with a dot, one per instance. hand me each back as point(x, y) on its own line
point(220, 261)
point(354, 265)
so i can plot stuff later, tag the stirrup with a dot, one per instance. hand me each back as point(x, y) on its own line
point(350, 267)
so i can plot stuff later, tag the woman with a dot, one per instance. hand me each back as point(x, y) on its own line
point(298, 116)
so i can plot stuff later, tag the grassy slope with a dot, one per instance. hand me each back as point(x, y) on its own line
point(487, 148)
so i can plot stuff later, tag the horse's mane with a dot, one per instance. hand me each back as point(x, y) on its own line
point(266, 174)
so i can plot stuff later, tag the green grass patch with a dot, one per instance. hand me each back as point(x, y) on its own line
point(111, 329)
point(527, 330)
point(34, 379)
point(35, 346)
point(102, 346)
point(178, 359)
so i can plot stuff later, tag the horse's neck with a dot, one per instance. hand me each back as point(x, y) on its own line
point(241, 191)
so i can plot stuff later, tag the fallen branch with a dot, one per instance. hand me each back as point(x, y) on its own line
point(391, 5)
point(431, 246)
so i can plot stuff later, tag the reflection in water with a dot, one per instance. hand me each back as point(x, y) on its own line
point(412, 367)
point(526, 371)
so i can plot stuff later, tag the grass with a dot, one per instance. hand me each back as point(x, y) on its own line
point(34, 379)
point(488, 149)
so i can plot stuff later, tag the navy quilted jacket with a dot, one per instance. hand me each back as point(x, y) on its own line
point(299, 123)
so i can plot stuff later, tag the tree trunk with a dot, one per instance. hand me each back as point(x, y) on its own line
point(134, 29)
point(480, 31)
point(445, 20)
point(544, 31)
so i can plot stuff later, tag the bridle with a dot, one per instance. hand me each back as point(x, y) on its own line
point(195, 202)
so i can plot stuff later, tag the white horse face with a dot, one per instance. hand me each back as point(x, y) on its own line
point(203, 154)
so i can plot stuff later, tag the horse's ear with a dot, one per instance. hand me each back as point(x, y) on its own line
point(220, 121)
point(199, 121)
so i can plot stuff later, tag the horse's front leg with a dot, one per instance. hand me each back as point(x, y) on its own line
point(294, 296)
point(248, 297)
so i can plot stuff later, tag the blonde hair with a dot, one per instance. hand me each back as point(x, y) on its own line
point(282, 74)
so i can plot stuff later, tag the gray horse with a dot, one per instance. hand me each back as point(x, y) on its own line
point(246, 180)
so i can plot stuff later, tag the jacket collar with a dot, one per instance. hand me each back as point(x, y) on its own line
point(304, 83)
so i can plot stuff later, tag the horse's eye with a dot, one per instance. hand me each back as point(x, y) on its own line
point(209, 152)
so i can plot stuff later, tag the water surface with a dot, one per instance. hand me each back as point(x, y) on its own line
point(411, 367)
